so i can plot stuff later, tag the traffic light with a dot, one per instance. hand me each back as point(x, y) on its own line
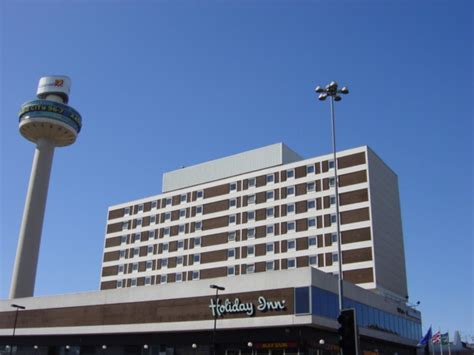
point(348, 337)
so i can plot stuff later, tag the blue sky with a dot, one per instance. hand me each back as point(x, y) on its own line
point(161, 84)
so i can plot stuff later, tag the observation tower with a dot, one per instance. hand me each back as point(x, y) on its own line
point(48, 122)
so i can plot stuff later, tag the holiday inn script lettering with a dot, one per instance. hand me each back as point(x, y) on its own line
point(220, 308)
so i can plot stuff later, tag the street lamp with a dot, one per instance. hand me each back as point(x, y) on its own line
point(194, 346)
point(217, 288)
point(322, 342)
point(333, 92)
point(250, 345)
point(18, 307)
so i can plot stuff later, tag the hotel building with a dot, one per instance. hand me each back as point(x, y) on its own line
point(260, 212)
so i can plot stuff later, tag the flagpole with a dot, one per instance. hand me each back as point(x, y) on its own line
point(440, 342)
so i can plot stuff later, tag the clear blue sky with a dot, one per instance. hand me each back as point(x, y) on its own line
point(161, 84)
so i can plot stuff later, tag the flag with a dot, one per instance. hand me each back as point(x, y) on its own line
point(436, 339)
point(426, 338)
point(445, 338)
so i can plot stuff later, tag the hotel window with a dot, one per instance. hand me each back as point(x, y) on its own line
point(154, 204)
point(269, 248)
point(163, 279)
point(291, 245)
point(251, 182)
point(332, 200)
point(251, 215)
point(140, 208)
point(311, 204)
point(198, 226)
point(122, 254)
point(151, 234)
point(183, 198)
point(270, 178)
point(335, 257)
point(139, 222)
point(310, 187)
point(232, 219)
point(136, 237)
point(312, 223)
point(167, 216)
point(164, 262)
point(149, 265)
point(334, 238)
point(123, 239)
point(290, 191)
point(270, 195)
point(147, 281)
point(135, 267)
point(250, 250)
point(195, 275)
point(180, 244)
point(166, 231)
point(134, 282)
point(233, 187)
point(310, 169)
point(270, 265)
point(153, 219)
point(124, 226)
point(179, 260)
point(231, 236)
point(199, 194)
point(119, 284)
point(291, 263)
point(182, 213)
point(196, 258)
point(126, 211)
point(168, 202)
point(331, 164)
point(181, 228)
point(198, 210)
point(290, 208)
point(231, 253)
point(165, 247)
point(313, 241)
point(251, 199)
point(270, 212)
point(313, 260)
point(232, 203)
point(120, 269)
point(179, 277)
point(250, 268)
point(269, 230)
point(197, 241)
point(150, 249)
point(136, 252)
point(333, 218)
point(230, 270)
point(290, 174)
point(331, 182)
point(291, 226)
point(251, 233)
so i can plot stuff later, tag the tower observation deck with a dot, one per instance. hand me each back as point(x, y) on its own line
point(48, 122)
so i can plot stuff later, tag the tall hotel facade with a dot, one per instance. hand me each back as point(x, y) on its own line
point(262, 211)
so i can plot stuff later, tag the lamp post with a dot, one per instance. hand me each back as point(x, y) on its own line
point(250, 345)
point(322, 342)
point(194, 346)
point(217, 288)
point(18, 307)
point(333, 92)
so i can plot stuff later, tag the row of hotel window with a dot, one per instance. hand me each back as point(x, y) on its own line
point(291, 246)
point(183, 198)
point(270, 212)
point(231, 270)
point(269, 231)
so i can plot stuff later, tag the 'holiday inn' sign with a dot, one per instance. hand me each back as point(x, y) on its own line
point(220, 308)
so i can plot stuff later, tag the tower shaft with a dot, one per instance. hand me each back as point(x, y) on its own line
point(24, 272)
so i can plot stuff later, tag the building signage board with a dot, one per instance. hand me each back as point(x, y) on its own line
point(220, 307)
